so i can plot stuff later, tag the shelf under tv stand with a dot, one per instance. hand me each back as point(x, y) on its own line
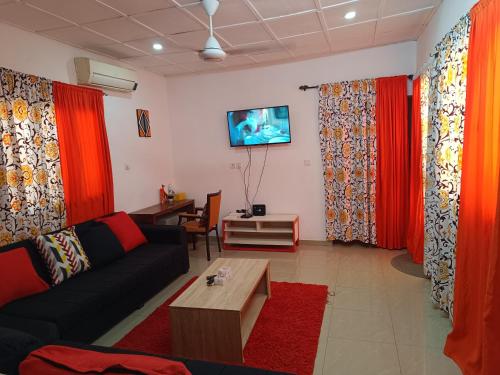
point(276, 232)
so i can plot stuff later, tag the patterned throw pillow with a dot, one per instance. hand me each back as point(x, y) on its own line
point(63, 253)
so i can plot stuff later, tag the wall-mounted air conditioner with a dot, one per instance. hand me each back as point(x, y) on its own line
point(111, 77)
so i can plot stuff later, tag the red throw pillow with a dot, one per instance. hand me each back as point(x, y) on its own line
point(18, 276)
point(125, 229)
point(62, 360)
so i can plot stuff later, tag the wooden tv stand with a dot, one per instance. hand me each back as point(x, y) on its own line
point(278, 232)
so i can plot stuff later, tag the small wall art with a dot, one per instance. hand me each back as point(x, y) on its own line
point(143, 123)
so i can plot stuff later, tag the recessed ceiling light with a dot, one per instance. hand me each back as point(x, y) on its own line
point(157, 47)
point(350, 15)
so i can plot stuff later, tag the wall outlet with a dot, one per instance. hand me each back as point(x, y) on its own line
point(307, 163)
point(238, 165)
point(232, 166)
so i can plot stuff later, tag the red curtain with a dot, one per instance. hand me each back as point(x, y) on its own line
point(474, 342)
point(85, 159)
point(392, 162)
point(415, 235)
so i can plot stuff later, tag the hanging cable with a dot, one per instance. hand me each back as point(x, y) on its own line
point(246, 179)
point(246, 176)
point(261, 174)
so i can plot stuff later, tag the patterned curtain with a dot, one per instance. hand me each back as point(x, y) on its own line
point(443, 159)
point(31, 191)
point(348, 147)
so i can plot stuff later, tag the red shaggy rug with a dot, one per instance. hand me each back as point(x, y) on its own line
point(284, 338)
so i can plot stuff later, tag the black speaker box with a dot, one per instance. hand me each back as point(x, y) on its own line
point(259, 209)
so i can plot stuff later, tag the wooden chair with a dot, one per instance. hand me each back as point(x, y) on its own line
point(206, 222)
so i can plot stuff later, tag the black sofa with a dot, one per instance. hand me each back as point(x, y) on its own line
point(83, 308)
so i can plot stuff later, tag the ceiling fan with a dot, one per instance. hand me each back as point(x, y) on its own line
point(213, 50)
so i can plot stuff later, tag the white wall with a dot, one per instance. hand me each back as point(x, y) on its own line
point(149, 159)
point(448, 14)
point(202, 155)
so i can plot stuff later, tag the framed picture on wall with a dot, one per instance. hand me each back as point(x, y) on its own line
point(143, 125)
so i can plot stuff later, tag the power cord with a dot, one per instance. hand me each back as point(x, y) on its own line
point(261, 174)
point(245, 185)
point(246, 176)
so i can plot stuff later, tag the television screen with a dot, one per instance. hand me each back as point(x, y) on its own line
point(259, 126)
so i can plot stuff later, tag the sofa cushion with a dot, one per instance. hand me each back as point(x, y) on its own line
point(14, 347)
point(75, 300)
point(147, 262)
point(100, 244)
point(36, 258)
point(148, 254)
point(63, 254)
point(125, 229)
point(18, 276)
point(156, 259)
point(85, 226)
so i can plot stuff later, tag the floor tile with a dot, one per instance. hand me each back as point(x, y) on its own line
point(361, 325)
point(361, 299)
point(353, 357)
point(403, 304)
point(323, 340)
point(415, 360)
point(410, 284)
point(283, 265)
point(347, 278)
point(316, 275)
point(116, 333)
point(288, 277)
point(423, 331)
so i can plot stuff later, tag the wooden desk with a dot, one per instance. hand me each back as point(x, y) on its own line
point(150, 215)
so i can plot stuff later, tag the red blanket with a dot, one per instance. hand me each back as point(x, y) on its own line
point(60, 360)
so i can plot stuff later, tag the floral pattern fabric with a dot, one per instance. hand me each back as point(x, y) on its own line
point(31, 191)
point(348, 147)
point(443, 160)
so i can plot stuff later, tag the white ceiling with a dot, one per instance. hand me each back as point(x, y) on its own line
point(291, 29)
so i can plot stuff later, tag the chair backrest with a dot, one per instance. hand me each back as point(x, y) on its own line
point(213, 208)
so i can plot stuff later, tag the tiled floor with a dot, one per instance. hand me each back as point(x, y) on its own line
point(379, 321)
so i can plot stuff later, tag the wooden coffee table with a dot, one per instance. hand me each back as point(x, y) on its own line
point(213, 323)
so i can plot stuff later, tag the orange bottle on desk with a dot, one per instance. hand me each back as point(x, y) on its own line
point(163, 195)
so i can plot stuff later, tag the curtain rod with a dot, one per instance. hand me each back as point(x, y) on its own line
point(306, 87)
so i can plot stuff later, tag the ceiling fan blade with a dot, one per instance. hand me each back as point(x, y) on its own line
point(246, 51)
point(185, 32)
point(258, 49)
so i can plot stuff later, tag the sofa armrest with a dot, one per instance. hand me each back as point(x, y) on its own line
point(46, 331)
point(167, 234)
point(15, 346)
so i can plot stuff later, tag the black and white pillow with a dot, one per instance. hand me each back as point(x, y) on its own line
point(63, 254)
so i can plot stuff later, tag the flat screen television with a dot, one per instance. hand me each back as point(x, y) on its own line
point(259, 126)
